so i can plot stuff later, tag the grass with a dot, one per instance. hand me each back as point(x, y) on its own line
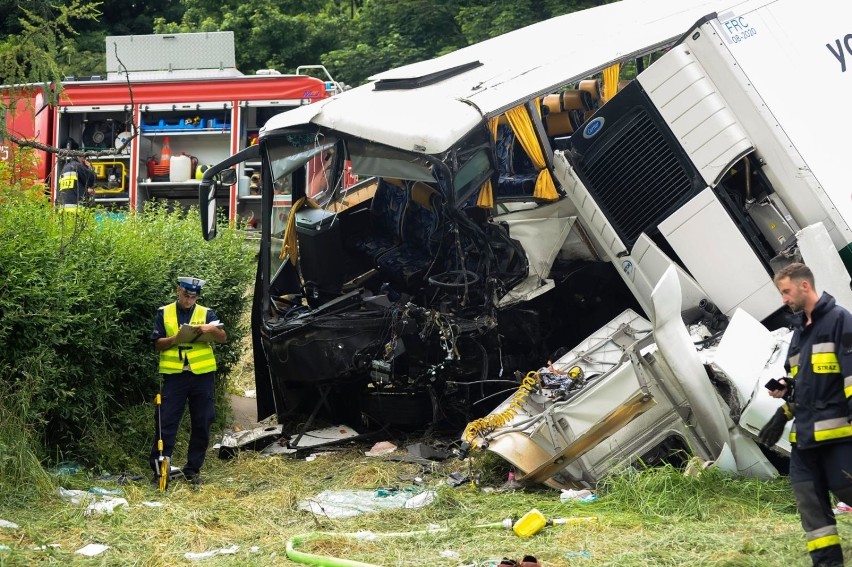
point(652, 517)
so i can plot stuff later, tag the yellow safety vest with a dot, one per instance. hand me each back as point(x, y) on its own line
point(199, 356)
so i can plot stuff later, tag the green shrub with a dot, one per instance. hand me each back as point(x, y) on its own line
point(78, 295)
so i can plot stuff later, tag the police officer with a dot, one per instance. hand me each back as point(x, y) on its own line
point(188, 366)
point(818, 395)
point(76, 181)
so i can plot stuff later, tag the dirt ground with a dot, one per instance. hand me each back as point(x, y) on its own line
point(245, 412)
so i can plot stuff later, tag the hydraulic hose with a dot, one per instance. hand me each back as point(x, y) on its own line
point(326, 561)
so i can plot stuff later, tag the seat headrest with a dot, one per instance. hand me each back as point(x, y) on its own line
point(577, 100)
point(593, 87)
point(422, 194)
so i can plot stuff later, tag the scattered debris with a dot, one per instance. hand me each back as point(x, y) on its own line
point(450, 554)
point(842, 508)
point(8, 524)
point(457, 478)
point(213, 552)
point(348, 503)
point(249, 439)
point(381, 448)
point(92, 549)
point(313, 456)
point(66, 468)
point(428, 452)
point(96, 502)
point(584, 495)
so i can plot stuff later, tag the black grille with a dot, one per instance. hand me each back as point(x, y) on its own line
point(636, 178)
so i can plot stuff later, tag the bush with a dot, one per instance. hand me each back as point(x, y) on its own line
point(78, 296)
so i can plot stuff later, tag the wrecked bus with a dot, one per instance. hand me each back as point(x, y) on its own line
point(518, 196)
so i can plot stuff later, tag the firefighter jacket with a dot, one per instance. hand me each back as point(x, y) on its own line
point(819, 364)
point(196, 357)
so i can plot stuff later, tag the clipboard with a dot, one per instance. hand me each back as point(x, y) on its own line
point(187, 334)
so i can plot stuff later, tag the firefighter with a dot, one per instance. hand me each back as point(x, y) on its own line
point(818, 396)
point(187, 369)
point(76, 181)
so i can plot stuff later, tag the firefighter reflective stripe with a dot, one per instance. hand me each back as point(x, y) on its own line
point(794, 365)
point(792, 437)
point(825, 363)
point(68, 181)
point(794, 370)
point(824, 347)
point(198, 356)
point(788, 413)
point(822, 538)
point(847, 386)
point(836, 428)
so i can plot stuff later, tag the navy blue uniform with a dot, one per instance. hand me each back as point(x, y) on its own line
point(177, 390)
point(820, 366)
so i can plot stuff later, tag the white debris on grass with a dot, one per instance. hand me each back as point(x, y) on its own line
point(583, 495)
point(348, 503)
point(92, 549)
point(8, 524)
point(95, 502)
point(212, 553)
point(381, 448)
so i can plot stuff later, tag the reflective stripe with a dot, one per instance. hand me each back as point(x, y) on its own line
point(794, 370)
point(794, 360)
point(836, 428)
point(847, 386)
point(823, 347)
point(68, 180)
point(787, 412)
point(199, 356)
point(825, 363)
point(823, 542)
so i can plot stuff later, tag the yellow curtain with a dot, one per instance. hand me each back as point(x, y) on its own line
point(290, 246)
point(486, 193)
point(610, 81)
point(521, 123)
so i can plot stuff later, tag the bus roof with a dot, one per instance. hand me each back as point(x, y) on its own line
point(427, 106)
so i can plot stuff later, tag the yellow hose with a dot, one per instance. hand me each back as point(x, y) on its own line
point(489, 422)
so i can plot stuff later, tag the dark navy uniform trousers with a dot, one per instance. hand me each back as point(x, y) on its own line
point(178, 389)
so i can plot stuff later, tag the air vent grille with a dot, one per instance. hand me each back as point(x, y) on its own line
point(634, 176)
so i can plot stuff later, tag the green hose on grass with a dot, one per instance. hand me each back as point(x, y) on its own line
point(325, 561)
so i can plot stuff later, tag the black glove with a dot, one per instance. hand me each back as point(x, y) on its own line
point(771, 432)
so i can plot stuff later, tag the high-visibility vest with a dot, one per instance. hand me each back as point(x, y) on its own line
point(199, 356)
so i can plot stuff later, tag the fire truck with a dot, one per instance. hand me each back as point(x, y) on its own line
point(169, 105)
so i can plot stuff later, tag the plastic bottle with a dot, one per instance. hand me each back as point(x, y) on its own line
point(530, 523)
point(166, 154)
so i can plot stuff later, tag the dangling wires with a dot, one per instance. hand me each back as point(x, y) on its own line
point(490, 422)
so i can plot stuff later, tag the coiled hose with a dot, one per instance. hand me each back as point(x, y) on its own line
point(326, 561)
point(477, 426)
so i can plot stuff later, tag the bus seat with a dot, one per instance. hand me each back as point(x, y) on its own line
point(552, 102)
point(577, 100)
point(386, 212)
point(563, 123)
point(407, 263)
point(517, 172)
point(593, 87)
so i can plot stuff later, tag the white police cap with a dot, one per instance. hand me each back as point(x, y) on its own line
point(191, 285)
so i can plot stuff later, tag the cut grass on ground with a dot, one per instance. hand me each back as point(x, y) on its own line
point(653, 517)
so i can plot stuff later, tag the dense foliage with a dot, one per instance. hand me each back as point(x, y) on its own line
point(77, 301)
point(353, 39)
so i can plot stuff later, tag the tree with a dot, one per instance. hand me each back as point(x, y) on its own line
point(31, 53)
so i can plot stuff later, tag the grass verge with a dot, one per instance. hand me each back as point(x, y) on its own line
point(653, 517)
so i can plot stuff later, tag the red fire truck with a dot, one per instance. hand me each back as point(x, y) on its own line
point(191, 106)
